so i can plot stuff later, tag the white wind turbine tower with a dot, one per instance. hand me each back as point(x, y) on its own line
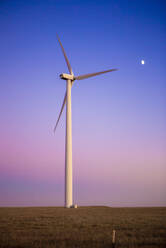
point(70, 78)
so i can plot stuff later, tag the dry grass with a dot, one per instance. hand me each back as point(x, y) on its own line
point(83, 227)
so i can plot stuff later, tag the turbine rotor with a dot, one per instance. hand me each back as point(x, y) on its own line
point(72, 78)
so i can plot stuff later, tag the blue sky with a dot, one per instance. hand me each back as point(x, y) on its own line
point(118, 118)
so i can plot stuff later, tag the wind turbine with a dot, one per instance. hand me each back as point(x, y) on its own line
point(70, 78)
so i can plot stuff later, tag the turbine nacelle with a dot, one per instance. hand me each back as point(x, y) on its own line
point(67, 76)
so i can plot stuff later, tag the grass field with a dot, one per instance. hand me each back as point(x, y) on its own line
point(83, 227)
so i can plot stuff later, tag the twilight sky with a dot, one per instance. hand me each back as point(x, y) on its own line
point(119, 119)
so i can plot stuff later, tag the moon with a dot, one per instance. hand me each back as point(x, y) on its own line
point(142, 62)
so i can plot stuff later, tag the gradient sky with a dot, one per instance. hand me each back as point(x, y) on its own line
point(119, 119)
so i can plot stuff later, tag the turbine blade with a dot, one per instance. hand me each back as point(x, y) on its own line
point(92, 74)
point(67, 61)
point(64, 102)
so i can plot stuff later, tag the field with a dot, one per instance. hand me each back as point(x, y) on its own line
point(83, 227)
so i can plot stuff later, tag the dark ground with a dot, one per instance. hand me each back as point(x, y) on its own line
point(83, 227)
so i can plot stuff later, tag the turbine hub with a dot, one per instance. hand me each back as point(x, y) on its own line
point(67, 76)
